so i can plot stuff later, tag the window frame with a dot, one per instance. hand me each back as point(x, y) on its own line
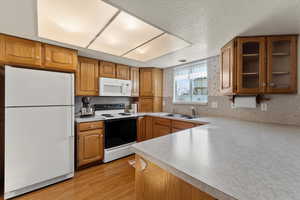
point(189, 66)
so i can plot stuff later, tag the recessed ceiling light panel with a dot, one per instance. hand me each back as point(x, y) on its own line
point(73, 22)
point(160, 46)
point(125, 33)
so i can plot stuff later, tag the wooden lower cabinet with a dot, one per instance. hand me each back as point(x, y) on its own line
point(152, 127)
point(141, 129)
point(182, 124)
point(90, 143)
point(161, 127)
point(152, 182)
point(161, 130)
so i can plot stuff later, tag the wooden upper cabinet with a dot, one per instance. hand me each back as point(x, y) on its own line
point(60, 59)
point(251, 65)
point(259, 65)
point(107, 69)
point(157, 104)
point(135, 78)
point(227, 71)
point(123, 72)
point(87, 76)
point(151, 82)
point(146, 86)
point(282, 64)
point(17, 51)
point(146, 104)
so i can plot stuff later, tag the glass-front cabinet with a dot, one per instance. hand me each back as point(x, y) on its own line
point(251, 65)
point(282, 64)
point(259, 65)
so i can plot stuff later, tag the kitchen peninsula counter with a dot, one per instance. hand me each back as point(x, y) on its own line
point(232, 159)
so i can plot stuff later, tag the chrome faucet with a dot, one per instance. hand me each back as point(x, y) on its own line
point(193, 112)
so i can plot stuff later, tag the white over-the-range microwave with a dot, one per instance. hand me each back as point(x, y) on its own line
point(114, 87)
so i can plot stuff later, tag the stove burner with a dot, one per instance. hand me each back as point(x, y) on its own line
point(107, 115)
point(125, 114)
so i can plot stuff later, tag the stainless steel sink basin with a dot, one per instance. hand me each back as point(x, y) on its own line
point(180, 116)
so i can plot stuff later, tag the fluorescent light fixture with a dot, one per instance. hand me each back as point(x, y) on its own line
point(160, 46)
point(123, 34)
point(74, 22)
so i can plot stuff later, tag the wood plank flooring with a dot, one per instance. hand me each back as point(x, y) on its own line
point(112, 181)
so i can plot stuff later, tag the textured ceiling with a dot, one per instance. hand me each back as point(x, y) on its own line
point(207, 24)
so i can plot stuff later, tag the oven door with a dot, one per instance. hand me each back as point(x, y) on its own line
point(119, 132)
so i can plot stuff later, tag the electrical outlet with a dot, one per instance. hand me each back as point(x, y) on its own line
point(214, 104)
point(264, 107)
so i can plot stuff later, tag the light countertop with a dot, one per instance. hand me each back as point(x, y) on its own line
point(232, 159)
point(158, 114)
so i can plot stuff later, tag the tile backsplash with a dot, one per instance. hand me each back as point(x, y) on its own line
point(283, 109)
point(104, 100)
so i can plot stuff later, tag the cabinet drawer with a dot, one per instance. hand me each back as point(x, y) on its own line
point(162, 121)
point(182, 125)
point(90, 126)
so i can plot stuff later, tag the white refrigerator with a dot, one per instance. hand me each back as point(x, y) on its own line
point(39, 129)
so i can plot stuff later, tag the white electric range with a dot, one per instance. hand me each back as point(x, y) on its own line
point(120, 130)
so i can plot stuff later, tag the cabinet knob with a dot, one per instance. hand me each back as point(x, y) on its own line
point(37, 57)
point(47, 58)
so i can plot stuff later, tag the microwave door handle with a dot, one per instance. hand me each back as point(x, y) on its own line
point(122, 89)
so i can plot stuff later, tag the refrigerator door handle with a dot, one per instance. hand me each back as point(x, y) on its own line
point(72, 122)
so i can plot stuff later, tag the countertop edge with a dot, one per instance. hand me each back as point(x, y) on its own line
point(204, 187)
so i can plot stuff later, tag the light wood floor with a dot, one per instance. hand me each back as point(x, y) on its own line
point(112, 181)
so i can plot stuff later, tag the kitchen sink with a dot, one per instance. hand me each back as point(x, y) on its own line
point(180, 116)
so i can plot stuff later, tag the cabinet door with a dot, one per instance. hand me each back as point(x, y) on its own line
point(160, 129)
point(141, 129)
point(227, 71)
point(146, 89)
point(87, 73)
point(17, 51)
point(251, 65)
point(282, 64)
point(60, 59)
point(149, 127)
point(107, 69)
point(123, 72)
point(90, 146)
point(135, 78)
point(146, 104)
point(157, 104)
point(152, 182)
point(157, 82)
